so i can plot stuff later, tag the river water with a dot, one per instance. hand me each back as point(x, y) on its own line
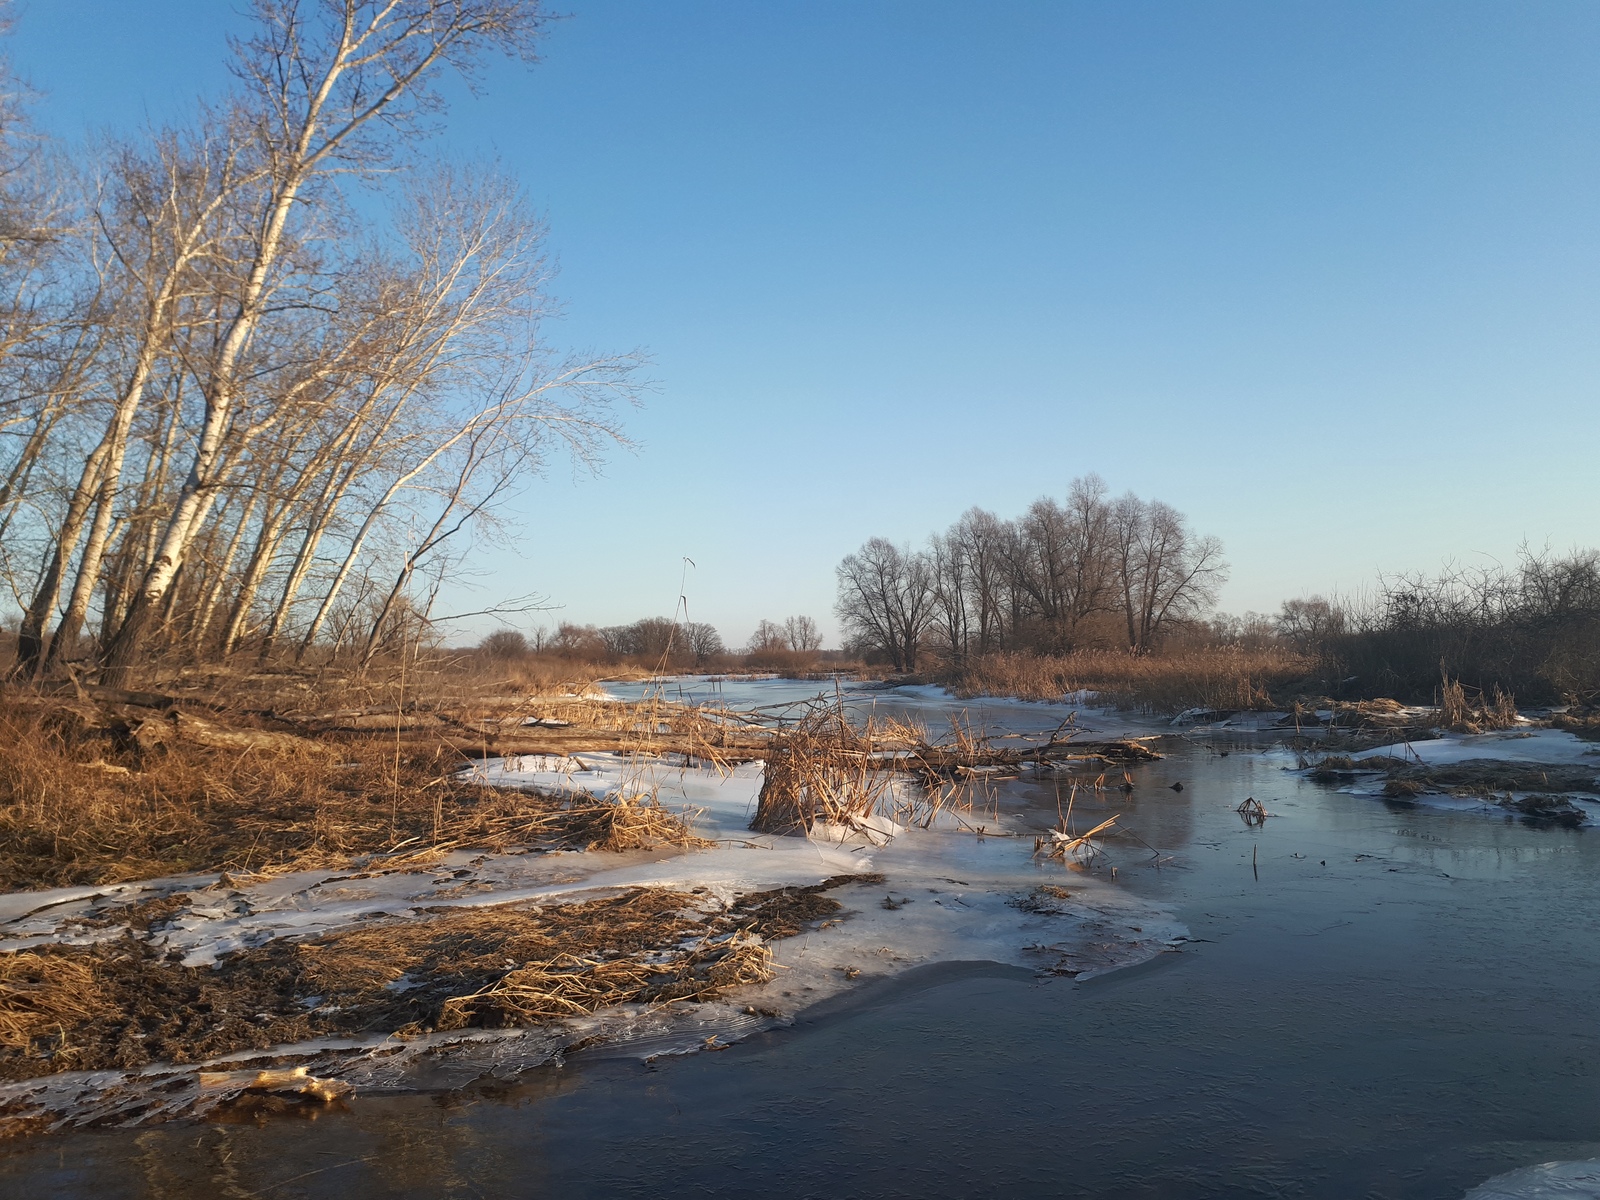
point(1380, 1000)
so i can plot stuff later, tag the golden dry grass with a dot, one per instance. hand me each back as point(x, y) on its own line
point(1226, 678)
point(1461, 714)
point(77, 808)
point(44, 994)
point(821, 769)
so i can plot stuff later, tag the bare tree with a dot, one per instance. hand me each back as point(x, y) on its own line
point(802, 635)
point(980, 539)
point(769, 636)
point(236, 405)
point(505, 645)
point(1036, 582)
point(1164, 572)
point(702, 641)
point(329, 90)
point(952, 592)
point(886, 600)
point(1309, 623)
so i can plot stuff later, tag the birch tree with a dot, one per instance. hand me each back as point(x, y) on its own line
point(329, 89)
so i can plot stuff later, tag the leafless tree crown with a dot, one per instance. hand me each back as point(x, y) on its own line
point(241, 410)
point(1088, 568)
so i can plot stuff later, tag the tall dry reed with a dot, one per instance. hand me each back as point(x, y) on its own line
point(1222, 678)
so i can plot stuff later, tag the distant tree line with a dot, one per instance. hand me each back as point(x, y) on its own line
point(652, 641)
point(1087, 570)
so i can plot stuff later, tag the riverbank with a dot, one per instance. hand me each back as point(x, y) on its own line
point(336, 908)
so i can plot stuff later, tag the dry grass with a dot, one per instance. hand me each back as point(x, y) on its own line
point(1061, 843)
point(1459, 714)
point(820, 769)
point(1580, 722)
point(1224, 678)
point(823, 769)
point(443, 681)
point(1252, 812)
point(624, 823)
point(76, 807)
point(571, 985)
point(121, 1004)
point(43, 994)
point(1358, 725)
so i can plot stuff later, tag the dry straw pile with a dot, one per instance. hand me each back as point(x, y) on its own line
point(821, 769)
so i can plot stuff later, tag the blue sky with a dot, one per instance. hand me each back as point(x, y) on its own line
point(1322, 276)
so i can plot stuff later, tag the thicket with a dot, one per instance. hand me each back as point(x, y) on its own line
point(1531, 629)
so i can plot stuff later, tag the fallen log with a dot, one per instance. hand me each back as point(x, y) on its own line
point(947, 763)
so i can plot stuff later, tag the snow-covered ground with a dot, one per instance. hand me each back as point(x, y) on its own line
point(962, 889)
point(966, 916)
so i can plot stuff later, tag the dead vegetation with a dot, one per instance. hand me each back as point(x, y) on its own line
point(1252, 811)
point(1483, 777)
point(1580, 721)
point(1061, 843)
point(1046, 900)
point(87, 795)
point(1354, 726)
point(1558, 810)
point(820, 769)
point(1351, 726)
point(1460, 713)
point(1228, 678)
point(823, 769)
point(1490, 777)
point(1545, 787)
point(121, 1004)
point(103, 785)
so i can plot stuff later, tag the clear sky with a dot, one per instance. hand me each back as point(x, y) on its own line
point(1323, 276)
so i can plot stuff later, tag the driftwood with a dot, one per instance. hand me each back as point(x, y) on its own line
point(191, 728)
point(954, 761)
point(579, 740)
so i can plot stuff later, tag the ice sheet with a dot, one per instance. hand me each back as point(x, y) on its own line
point(1512, 745)
point(1545, 1181)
